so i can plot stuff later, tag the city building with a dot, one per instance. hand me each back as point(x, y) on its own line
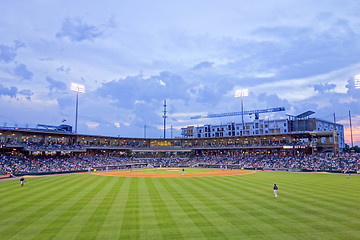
point(266, 127)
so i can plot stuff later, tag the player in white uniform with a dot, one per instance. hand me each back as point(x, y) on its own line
point(275, 190)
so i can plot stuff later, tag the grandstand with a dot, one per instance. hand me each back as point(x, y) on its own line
point(28, 141)
point(297, 144)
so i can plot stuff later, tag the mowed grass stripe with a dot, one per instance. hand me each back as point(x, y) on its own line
point(294, 224)
point(310, 214)
point(130, 223)
point(73, 219)
point(100, 209)
point(28, 209)
point(320, 203)
point(30, 190)
point(166, 224)
point(210, 207)
point(247, 214)
point(148, 223)
point(259, 211)
point(185, 224)
point(114, 219)
point(11, 187)
point(310, 206)
point(40, 220)
point(220, 202)
point(323, 215)
point(207, 226)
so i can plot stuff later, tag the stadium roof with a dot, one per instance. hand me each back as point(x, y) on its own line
point(305, 114)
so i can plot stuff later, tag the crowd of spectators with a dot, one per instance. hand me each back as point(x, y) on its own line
point(314, 162)
point(67, 146)
point(33, 146)
point(66, 163)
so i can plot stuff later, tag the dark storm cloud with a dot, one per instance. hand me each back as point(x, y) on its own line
point(76, 30)
point(214, 90)
point(22, 71)
point(55, 85)
point(126, 92)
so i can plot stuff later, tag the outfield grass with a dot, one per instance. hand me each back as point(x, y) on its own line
point(85, 206)
point(177, 171)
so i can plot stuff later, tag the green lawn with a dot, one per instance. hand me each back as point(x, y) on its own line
point(84, 206)
point(177, 171)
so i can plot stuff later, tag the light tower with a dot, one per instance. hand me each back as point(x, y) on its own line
point(357, 86)
point(78, 88)
point(241, 94)
point(164, 116)
point(357, 81)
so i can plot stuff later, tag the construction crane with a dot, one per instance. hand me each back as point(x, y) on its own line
point(256, 112)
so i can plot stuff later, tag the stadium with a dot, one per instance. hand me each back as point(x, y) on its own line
point(80, 186)
point(183, 120)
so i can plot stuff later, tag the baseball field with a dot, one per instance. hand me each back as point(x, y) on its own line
point(91, 206)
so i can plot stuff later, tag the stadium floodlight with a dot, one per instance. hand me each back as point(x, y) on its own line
point(357, 81)
point(78, 88)
point(241, 93)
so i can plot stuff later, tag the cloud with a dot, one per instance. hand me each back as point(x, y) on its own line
point(10, 91)
point(294, 52)
point(324, 87)
point(65, 101)
point(13, 92)
point(78, 31)
point(352, 89)
point(27, 93)
point(63, 69)
point(128, 91)
point(22, 71)
point(55, 85)
point(8, 54)
point(203, 65)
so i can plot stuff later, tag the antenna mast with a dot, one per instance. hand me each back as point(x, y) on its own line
point(164, 116)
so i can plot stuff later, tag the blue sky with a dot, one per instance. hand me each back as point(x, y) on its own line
point(131, 55)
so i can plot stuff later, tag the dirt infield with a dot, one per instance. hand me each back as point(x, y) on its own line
point(198, 174)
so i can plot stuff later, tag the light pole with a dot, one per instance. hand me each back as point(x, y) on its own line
point(241, 94)
point(78, 88)
point(357, 86)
